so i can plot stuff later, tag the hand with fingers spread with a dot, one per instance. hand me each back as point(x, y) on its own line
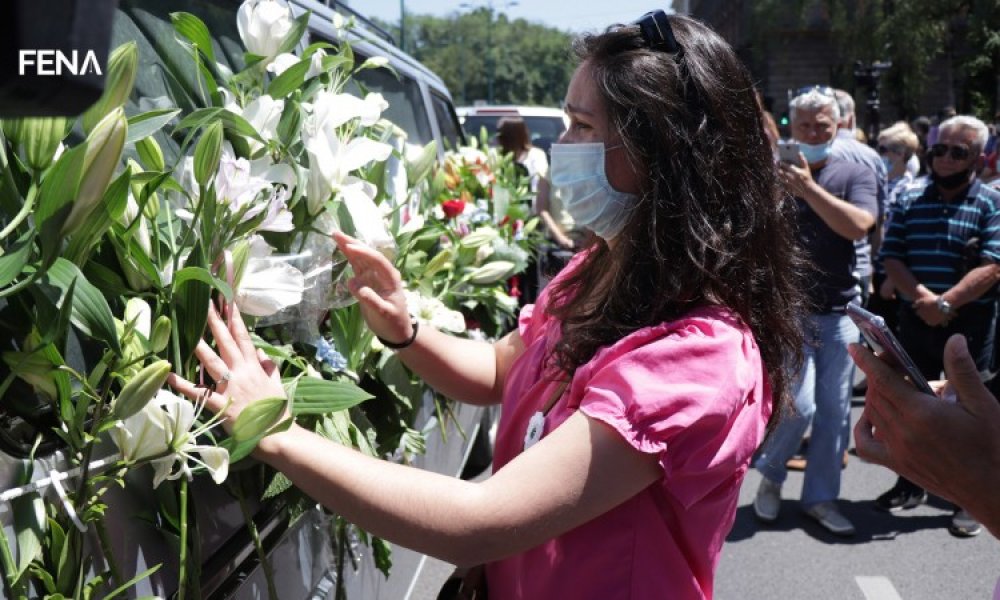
point(243, 373)
point(951, 449)
point(379, 289)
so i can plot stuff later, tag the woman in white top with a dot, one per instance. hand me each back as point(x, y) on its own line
point(513, 137)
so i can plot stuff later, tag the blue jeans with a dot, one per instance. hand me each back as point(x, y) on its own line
point(822, 392)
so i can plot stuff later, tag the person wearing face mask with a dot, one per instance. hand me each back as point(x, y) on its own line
point(636, 389)
point(941, 253)
point(836, 204)
point(896, 146)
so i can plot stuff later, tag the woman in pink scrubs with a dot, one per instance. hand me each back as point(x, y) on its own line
point(637, 388)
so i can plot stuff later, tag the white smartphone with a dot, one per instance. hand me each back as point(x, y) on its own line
point(788, 152)
point(881, 339)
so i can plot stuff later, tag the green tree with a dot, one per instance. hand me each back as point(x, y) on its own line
point(913, 34)
point(529, 63)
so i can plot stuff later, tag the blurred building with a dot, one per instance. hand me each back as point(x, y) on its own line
point(799, 53)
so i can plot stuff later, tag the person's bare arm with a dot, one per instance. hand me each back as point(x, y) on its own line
point(951, 449)
point(973, 285)
point(542, 206)
point(579, 471)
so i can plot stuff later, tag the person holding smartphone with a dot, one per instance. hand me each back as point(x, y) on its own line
point(941, 253)
point(836, 203)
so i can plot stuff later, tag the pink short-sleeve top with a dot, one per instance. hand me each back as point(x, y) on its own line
point(691, 391)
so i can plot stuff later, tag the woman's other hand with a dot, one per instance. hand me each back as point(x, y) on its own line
point(243, 373)
point(379, 290)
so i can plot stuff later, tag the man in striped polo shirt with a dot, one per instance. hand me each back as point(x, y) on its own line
point(941, 251)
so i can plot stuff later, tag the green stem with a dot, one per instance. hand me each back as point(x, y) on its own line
point(11, 589)
point(29, 205)
point(182, 570)
point(109, 556)
point(272, 590)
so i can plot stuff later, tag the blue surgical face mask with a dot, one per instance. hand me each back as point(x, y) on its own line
point(815, 153)
point(578, 171)
point(888, 164)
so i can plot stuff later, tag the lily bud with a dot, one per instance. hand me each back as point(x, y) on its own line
point(207, 154)
point(160, 337)
point(491, 272)
point(150, 153)
point(141, 389)
point(40, 138)
point(102, 155)
point(122, 67)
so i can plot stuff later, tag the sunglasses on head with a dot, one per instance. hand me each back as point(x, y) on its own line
point(821, 89)
point(956, 152)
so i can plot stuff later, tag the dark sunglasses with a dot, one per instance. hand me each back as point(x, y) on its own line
point(821, 89)
point(956, 152)
point(888, 149)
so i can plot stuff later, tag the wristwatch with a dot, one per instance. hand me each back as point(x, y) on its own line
point(944, 306)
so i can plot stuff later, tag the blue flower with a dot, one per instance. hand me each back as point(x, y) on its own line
point(327, 353)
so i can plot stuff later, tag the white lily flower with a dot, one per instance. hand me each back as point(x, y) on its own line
point(331, 161)
point(263, 26)
point(241, 184)
point(268, 285)
point(263, 113)
point(143, 435)
point(130, 214)
point(330, 110)
point(358, 197)
point(433, 312)
point(282, 63)
point(137, 311)
point(179, 416)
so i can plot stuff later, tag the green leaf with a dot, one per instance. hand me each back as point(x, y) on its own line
point(131, 582)
point(60, 185)
point(86, 238)
point(295, 33)
point(29, 518)
point(203, 275)
point(191, 300)
point(320, 396)
point(289, 81)
point(195, 30)
point(13, 263)
point(257, 418)
point(145, 124)
point(231, 121)
point(91, 313)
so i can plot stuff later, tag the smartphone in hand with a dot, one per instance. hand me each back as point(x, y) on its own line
point(788, 152)
point(882, 341)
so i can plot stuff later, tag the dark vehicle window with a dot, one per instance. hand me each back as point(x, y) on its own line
point(544, 130)
point(406, 104)
point(447, 120)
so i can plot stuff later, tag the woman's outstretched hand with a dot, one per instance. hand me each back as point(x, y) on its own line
point(243, 373)
point(379, 289)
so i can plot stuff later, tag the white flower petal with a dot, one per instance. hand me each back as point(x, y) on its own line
point(215, 459)
point(265, 291)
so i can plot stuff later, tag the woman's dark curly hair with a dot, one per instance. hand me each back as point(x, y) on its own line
point(710, 226)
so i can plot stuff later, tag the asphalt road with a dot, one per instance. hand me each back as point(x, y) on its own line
point(909, 556)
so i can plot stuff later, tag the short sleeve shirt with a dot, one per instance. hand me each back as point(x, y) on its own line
point(939, 241)
point(693, 393)
point(834, 285)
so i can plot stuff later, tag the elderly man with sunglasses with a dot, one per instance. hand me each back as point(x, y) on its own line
point(941, 252)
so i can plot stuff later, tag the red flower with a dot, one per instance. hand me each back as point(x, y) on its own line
point(452, 208)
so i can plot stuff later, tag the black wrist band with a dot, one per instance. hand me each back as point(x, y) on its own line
point(401, 345)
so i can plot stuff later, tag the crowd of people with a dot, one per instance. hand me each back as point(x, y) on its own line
point(699, 329)
point(911, 229)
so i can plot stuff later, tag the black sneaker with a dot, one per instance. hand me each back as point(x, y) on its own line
point(900, 497)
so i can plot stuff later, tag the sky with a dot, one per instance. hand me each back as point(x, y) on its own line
point(573, 15)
